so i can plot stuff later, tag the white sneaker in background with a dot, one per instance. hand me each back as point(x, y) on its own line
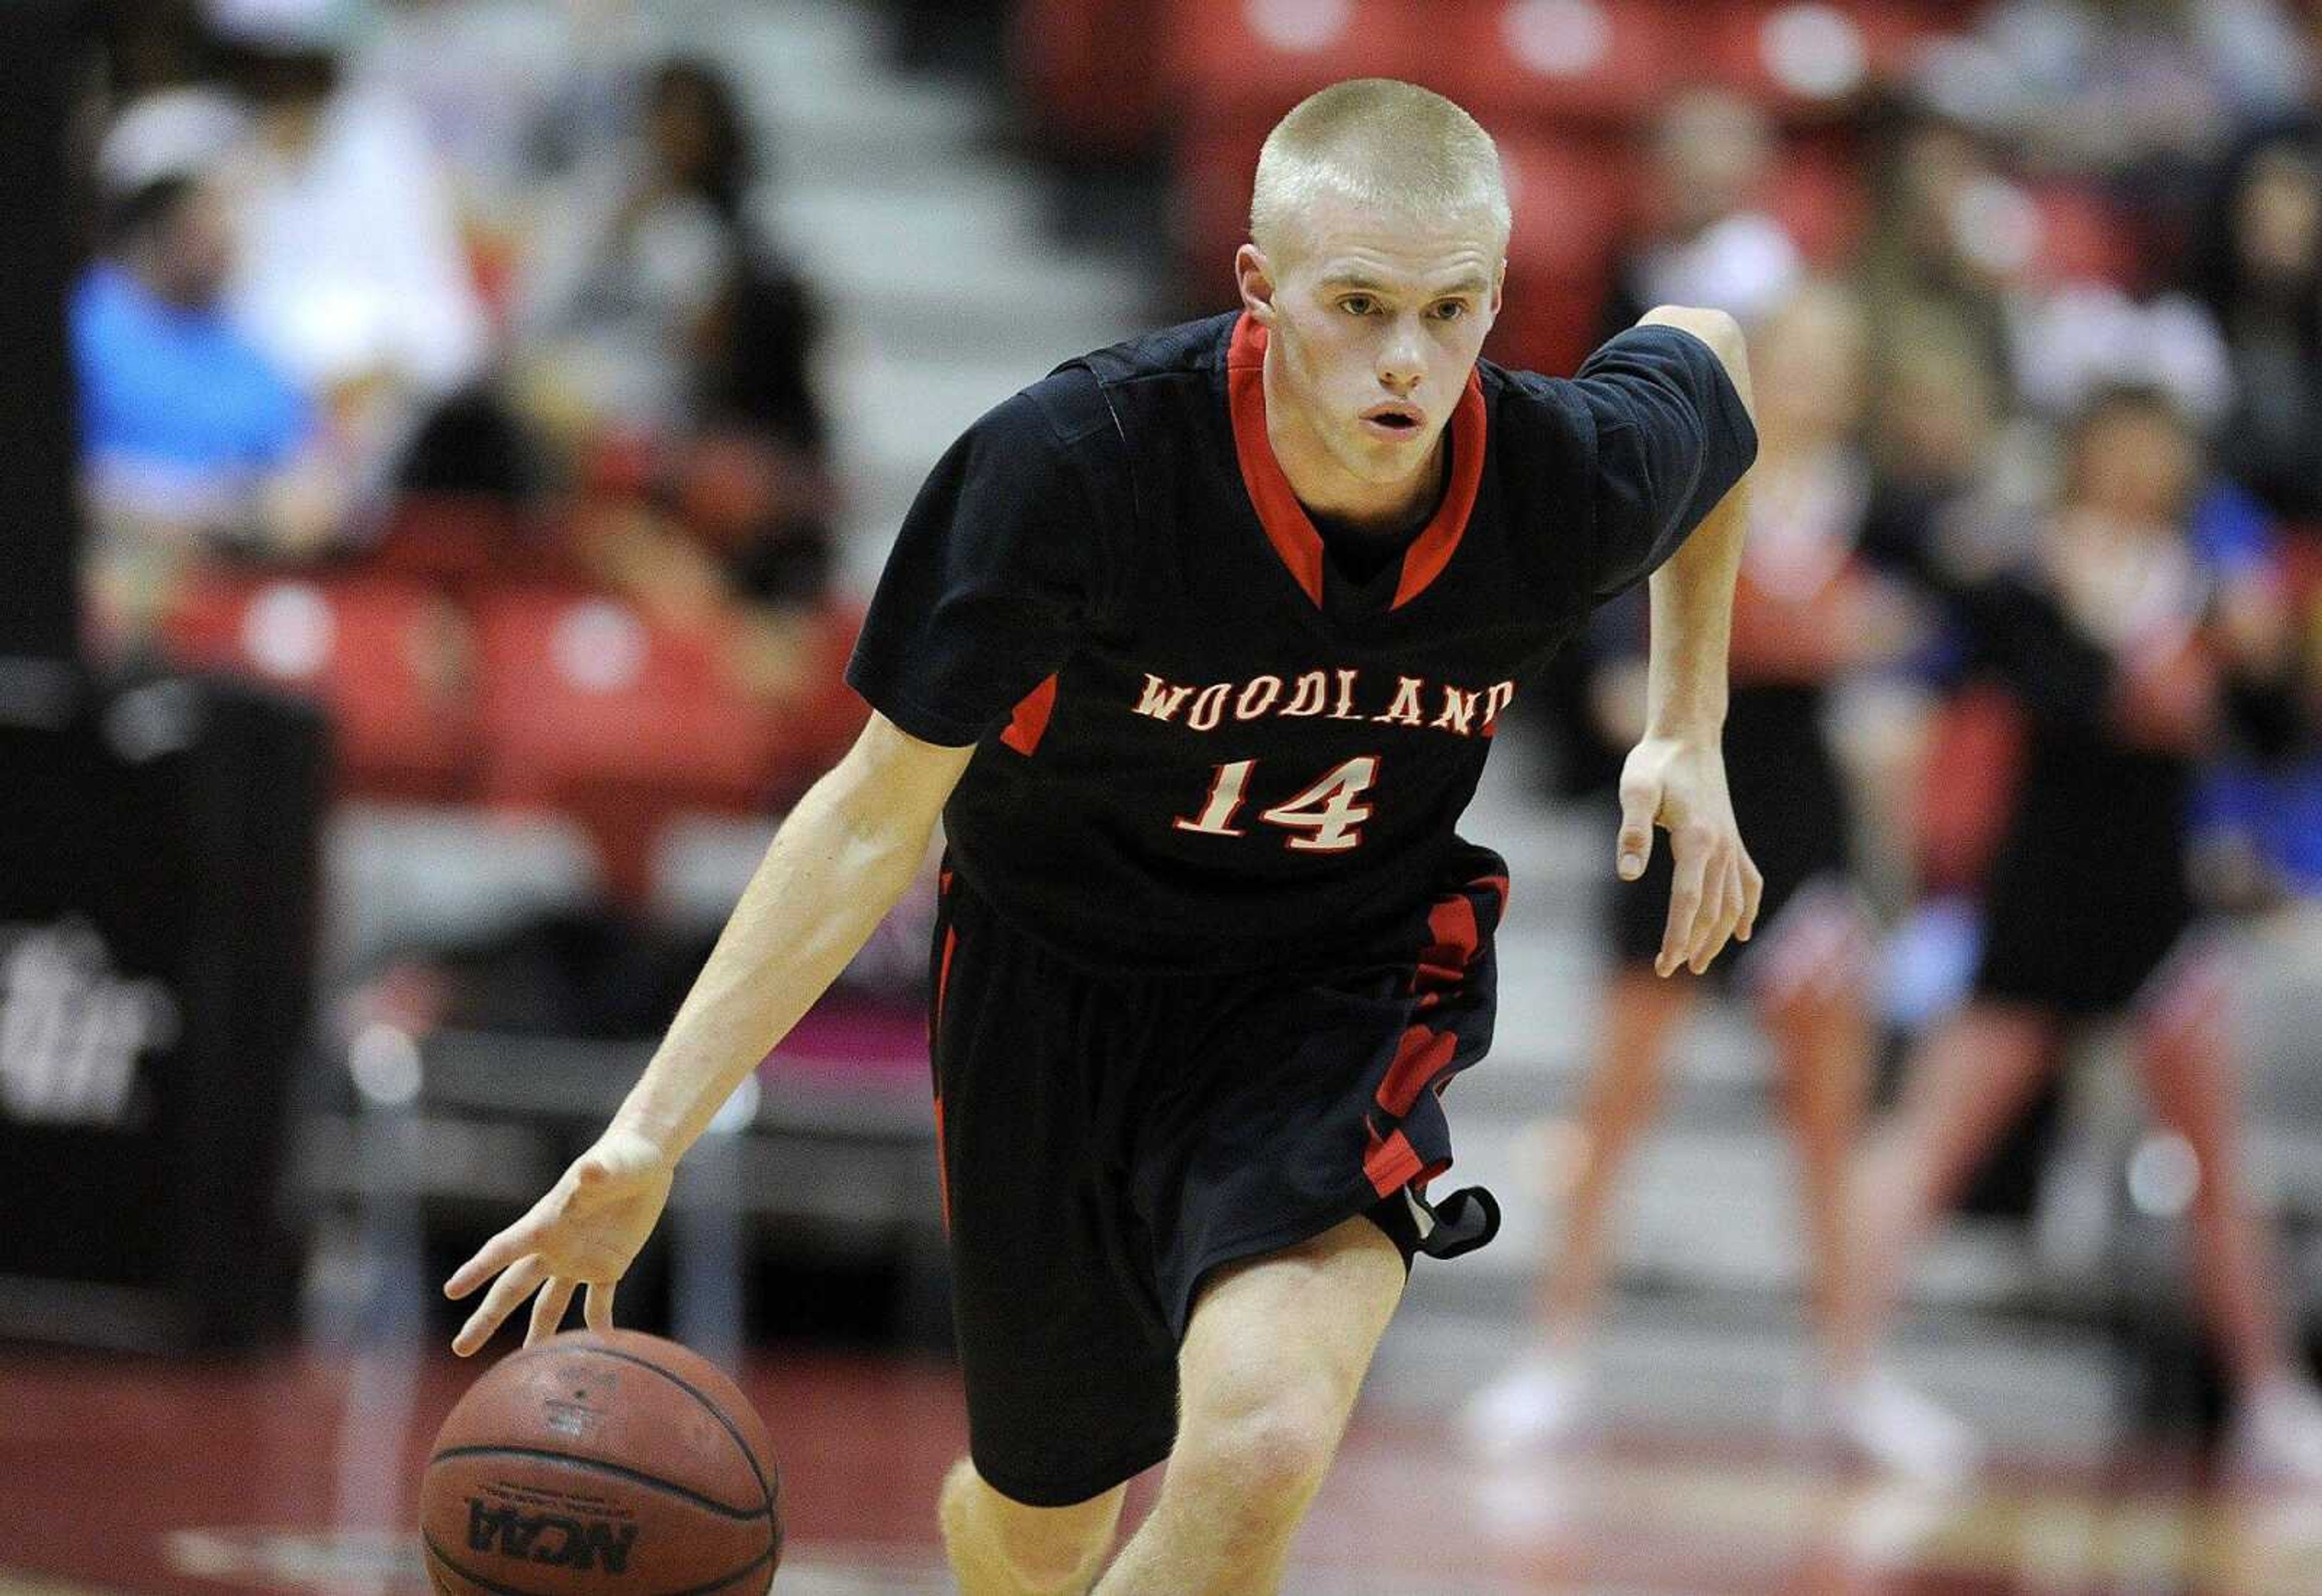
point(1877, 1420)
point(1543, 1402)
point(2277, 1435)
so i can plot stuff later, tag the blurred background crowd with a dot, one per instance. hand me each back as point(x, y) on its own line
point(536, 384)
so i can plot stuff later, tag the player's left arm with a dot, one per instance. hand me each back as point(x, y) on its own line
point(1675, 776)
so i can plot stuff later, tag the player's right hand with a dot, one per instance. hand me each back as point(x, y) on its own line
point(586, 1231)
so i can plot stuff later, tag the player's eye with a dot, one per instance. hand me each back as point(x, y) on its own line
point(1449, 310)
point(1359, 305)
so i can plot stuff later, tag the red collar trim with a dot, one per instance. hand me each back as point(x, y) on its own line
point(1287, 525)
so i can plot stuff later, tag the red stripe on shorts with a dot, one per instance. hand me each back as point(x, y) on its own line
point(1423, 1053)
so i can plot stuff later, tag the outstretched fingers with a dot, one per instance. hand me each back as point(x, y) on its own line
point(1701, 945)
point(492, 1257)
point(1687, 887)
point(548, 1308)
point(513, 1286)
point(1753, 890)
point(1720, 915)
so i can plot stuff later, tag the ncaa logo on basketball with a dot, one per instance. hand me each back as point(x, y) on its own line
point(557, 1539)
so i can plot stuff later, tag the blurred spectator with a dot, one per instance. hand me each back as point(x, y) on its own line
point(1933, 428)
point(2260, 270)
point(1702, 241)
point(1706, 242)
point(2261, 806)
point(1947, 233)
point(657, 324)
point(639, 253)
point(1808, 615)
point(350, 270)
point(2076, 340)
point(2143, 90)
point(2131, 657)
point(194, 437)
point(151, 45)
point(509, 94)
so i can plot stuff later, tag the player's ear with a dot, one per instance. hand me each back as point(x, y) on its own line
point(1254, 274)
point(1499, 288)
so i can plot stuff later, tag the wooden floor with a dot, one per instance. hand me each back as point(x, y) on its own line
point(297, 1473)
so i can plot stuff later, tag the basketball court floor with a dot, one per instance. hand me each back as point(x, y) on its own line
point(299, 1474)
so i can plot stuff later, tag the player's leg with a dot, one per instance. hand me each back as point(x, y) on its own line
point(1071, 1379)
point(1274, 1356)
point(999, 1547)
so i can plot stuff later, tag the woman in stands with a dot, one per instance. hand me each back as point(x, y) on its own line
point(1807, 613)
point(2130, 657)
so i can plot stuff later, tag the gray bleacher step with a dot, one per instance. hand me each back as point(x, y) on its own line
point(877, 135)
point(896, 311)
point(1713, 1370)
point(949, 224)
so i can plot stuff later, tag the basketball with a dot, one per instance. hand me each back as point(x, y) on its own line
point(617, 1465)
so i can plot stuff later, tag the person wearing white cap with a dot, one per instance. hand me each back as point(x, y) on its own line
point(349, 269)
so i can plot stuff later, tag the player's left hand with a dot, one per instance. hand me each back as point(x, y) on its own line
point(1678, 783)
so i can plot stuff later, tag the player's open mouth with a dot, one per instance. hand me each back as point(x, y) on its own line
point(1395, 421)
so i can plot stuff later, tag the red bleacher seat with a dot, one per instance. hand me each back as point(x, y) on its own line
point(2301, 555)
point(454, 540)
point(1819, 201)
point(593, 708)
point(2084, 239)
point(386, 657)
point(1573, 201)
point(819, 722)
point(1227, 60)
point(1085, 67)
point(1545, 64)
point(1212, 168)
point(1802, 56)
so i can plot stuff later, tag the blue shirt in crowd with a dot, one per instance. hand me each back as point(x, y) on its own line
point(175, 388)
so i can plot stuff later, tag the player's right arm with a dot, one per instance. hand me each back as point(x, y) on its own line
point(848, 851)
point(987, 591)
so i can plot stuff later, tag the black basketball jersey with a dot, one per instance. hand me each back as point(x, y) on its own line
point(1199, 743)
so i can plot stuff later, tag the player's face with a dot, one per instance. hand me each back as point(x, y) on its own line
point(1378, 322)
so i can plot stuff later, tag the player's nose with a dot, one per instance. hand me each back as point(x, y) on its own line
point(1402, 364)
point(1400, 378)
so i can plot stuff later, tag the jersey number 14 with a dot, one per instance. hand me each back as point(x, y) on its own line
point(1326, 818)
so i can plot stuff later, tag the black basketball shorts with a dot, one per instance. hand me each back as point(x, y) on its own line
point(1110, 1137)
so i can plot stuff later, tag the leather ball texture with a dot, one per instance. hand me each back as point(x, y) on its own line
point(617, 1465)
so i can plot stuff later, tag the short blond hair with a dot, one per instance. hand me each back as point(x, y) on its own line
point(1377, 142)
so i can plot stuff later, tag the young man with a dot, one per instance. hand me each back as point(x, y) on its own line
point(1198, 646)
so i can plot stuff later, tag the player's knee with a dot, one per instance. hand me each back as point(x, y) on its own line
point(1045, 1562)
point(1262, 1446)
point(1040, 1551)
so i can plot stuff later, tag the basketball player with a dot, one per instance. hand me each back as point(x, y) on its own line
point(1197, 647)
